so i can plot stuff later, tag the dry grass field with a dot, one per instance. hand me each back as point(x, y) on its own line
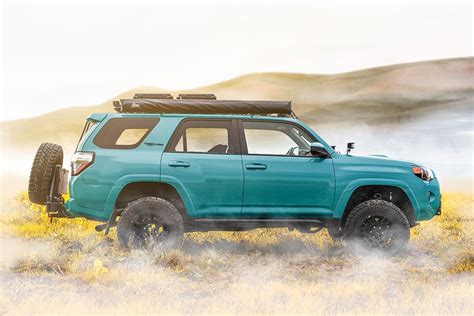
point(66, 267)
point(419, 111)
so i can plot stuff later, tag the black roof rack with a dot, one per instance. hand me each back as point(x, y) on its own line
point(166, 96)
point(202, 106)
point(196, 96)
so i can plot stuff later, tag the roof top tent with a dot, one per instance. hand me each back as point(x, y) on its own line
point(200, 104)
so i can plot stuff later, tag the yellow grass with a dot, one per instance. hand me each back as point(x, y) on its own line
point(262, 271)
point(30, 220)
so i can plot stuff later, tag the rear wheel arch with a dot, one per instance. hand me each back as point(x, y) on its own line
point(136, 190)
point(392, 194)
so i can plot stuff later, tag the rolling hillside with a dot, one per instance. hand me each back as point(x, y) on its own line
point(419, 111)
point(392, 94)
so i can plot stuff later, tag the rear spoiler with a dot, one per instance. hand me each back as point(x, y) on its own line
point(96, 117)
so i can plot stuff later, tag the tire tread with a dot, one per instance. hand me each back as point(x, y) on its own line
point(46, 158)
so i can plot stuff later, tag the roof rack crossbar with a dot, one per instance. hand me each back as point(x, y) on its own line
point(196, 96)
point(165, 96)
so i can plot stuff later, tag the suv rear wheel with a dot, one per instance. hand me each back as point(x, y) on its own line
point(151, 223)
point(377, 225)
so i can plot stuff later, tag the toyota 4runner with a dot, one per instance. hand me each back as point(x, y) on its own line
point(160, 167)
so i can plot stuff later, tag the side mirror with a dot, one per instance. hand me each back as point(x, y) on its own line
point(350, 146)
point(317, 149)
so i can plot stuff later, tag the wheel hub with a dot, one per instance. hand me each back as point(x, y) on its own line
point(376, 232)
point(148, 230)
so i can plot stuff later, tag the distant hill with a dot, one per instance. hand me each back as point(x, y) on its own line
point(421, 110)
point(395, 94)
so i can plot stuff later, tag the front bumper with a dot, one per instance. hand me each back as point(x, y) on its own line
point(438, 212)
point(430, 200)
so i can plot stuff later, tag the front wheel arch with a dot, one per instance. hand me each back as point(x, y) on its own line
point(389, 193)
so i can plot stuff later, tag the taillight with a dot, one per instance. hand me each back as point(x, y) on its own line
point(80, 161)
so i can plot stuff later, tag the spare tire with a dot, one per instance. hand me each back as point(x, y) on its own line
point(41, 175)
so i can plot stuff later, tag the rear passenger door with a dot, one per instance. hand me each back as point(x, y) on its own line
point(203, 158)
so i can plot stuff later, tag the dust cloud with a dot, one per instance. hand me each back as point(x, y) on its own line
point(239, 278)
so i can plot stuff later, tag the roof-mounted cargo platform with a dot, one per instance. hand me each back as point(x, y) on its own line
point(200, 104)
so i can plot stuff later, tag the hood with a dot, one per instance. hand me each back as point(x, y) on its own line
point(381, 159)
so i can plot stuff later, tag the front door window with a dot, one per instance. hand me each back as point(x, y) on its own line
point(278, 139)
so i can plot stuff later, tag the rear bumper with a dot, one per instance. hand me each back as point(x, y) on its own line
point(75, 210)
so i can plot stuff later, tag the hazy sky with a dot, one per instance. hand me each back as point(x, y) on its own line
point(56, 55)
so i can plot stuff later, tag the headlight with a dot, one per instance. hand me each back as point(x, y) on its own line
point(422, 173)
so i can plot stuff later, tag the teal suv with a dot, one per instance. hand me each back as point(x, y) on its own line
point(160, 167)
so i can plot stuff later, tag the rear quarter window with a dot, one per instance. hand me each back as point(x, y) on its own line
point(124, 133)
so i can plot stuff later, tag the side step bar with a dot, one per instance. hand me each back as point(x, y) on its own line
point(239, 224)
point(259, 220)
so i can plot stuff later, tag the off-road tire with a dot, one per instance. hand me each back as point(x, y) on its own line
point(41, 175)
point(356, 229)
point(162, 212)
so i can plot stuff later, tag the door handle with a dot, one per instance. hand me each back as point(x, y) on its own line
point(256, 166)
point(183, 164)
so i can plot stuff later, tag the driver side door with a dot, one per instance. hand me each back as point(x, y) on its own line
point(281, 177)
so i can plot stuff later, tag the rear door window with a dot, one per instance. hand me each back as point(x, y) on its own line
point(205, 136)
point(124, 133)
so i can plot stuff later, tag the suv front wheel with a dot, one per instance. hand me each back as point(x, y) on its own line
point(151, 223)
point(377, 225)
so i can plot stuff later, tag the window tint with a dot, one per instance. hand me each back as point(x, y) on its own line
point(131, 136)
point(204, 136)
point(276, 138)
point(124, 133)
